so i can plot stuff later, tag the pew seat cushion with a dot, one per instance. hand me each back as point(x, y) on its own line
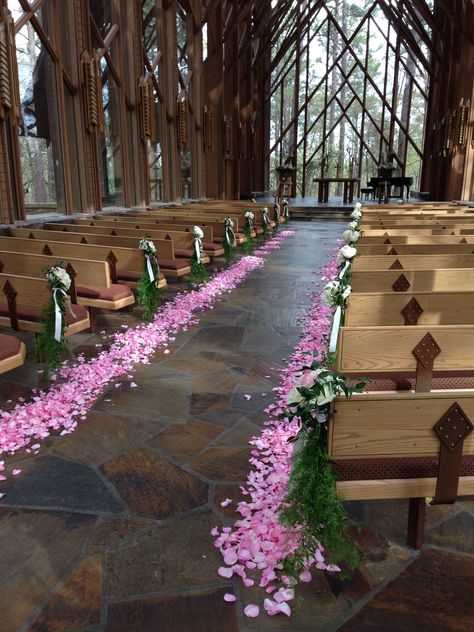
point(9, 346)
point(132, 276)
point(368, 469)
point(182, 253)
point(211, 247)
point(34, 315)
point(115, 292)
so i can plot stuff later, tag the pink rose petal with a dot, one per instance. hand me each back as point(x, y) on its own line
point(226, 502)
point(251, 610)
point(229, 597)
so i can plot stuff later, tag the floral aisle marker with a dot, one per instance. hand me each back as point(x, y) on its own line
point(198, 271)
point(286, 211)
point(276, 215)
point(76, 387)
point(248, 230)
point(229, 243)
point(148, 293)
point(265, 221)
point(292, 493)
point(51, 342)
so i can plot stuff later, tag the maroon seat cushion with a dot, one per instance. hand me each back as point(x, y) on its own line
point(113, 293)
point(183, 254)
point(211, 247)
point(174, 264)
point(34, 315)
point(9, 346)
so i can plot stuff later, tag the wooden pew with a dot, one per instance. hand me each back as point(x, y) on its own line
point(183, 242)
point(377, 309)
point(125, 250)
point(440, 280)
point(169, 222)
point(413, 238)
point(132, 227)
point(412, 262)
point(24, 300)
point(130, 260)
point(414, 249)
point(12, 353)
point(91, 285)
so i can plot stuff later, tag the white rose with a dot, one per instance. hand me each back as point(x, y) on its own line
point(228, 222)
point(356, 214)
point(294, 396)
point(352, 225)
point(197, 232)
point(249, 215)
point(346, 252)
point(358, 205)
point(327, 395)
point(346, 292)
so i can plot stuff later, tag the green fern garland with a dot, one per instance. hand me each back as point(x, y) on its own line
point(47, 348)
point(198, 273)
point(229, 251)
point(314, 505)
point(149, 295)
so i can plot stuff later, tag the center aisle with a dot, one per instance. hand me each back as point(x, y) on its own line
point(115, 518)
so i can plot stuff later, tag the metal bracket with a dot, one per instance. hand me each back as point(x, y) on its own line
point(425, 352)
point(452, 430)
point(412, 311)
point(402, 284)
point(396, 265)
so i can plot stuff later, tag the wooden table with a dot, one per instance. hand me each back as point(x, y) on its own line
point(348, 188)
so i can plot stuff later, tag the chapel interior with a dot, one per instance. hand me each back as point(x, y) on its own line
point(236, 321)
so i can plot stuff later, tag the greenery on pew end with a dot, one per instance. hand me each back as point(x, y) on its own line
point(50, 342)
point(312, 502)
point(248, 229)
point(148, 294)
point(198, 274)
point(265, 221)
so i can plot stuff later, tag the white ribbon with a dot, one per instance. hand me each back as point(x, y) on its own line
point(151, 274)
point(344, 269)
point(58, 315)
point(230, 236)
point(336, 323)
point(285, 210)
point(265, 217)
point(198, 248)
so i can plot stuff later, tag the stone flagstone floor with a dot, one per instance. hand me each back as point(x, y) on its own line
point(107, 529)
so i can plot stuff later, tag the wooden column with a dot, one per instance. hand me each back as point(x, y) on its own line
point(169, 80)
point(231, 110)
point(196, 98)
point(213, 70)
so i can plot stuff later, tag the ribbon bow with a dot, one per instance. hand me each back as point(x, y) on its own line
point(265, 219)
point(58, 315)
point(198, 248)
point(149, 266)
point(229, 234)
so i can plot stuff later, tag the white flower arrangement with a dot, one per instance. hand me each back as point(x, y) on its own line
point(58, 278)
point(249, 215)
point(335, 293)
point(356, 214)
point(197, 232)
point(147, 246)
point(228, 222)
point(358, 205)
point(346, 253)
point(351, 236)
point(353, 225)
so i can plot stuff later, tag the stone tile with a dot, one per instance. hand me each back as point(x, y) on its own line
point(166, 398)
point(169, 557)
point(37, 550)
point(434, 594)
point(455, 533)
point(101, 437)
point(223, 492)
point(191, 612)
point(183, 441)
point(239, 435)
point(48, 481)
point(152, 487)
point(112, 531)
point(208, 402)
point(195, 362)
point(222, 464)
point(226, 418)
point(314, 608)
point(77, 604)
point(217, 338)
